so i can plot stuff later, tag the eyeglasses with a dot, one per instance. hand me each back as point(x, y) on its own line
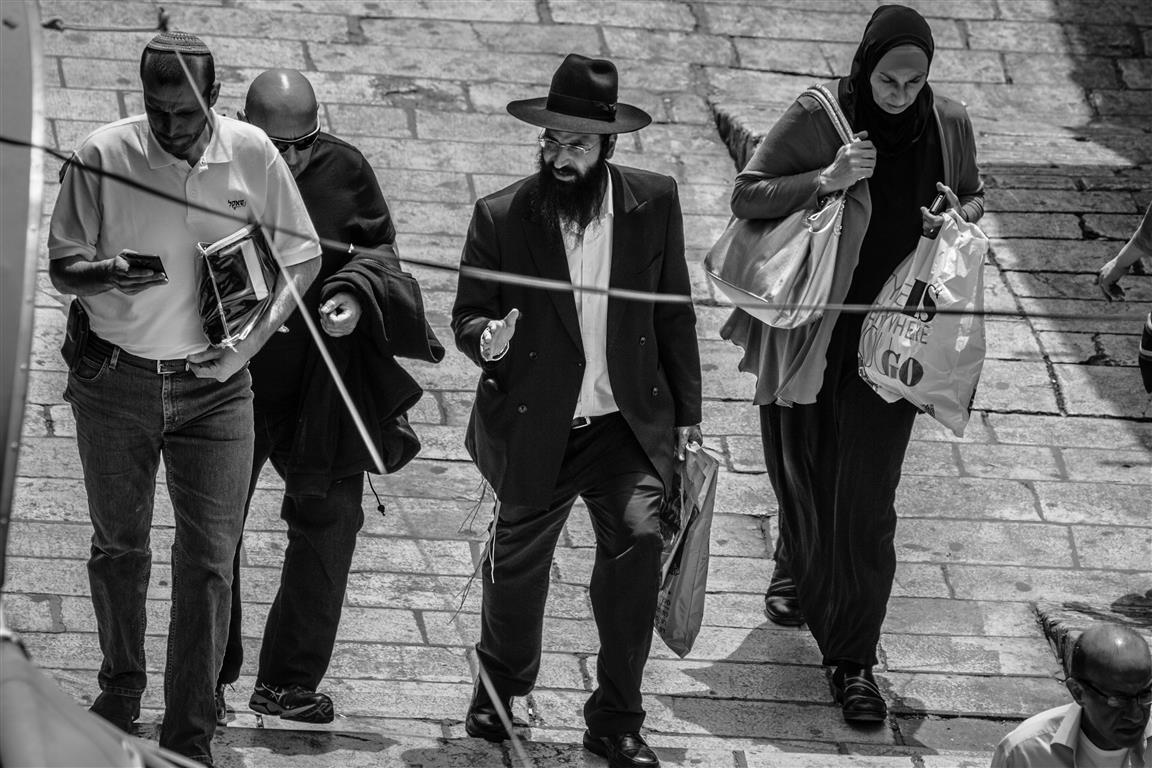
point(549, 144)
point(1117, 701)
point(299, 144)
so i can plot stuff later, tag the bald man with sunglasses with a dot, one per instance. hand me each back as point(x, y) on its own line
point(300, 425)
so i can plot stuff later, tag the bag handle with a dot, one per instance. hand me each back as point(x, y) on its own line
point(831, 106)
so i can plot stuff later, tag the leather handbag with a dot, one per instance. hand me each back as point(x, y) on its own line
point(780, 270)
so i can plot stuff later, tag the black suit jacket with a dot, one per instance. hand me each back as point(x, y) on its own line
point(525, 401)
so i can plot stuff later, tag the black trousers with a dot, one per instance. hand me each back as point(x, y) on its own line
point(834, 466)
point(302, 622)
point(604, 465)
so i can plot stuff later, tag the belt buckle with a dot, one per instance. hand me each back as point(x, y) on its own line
point(167, 367)
point(581, 421)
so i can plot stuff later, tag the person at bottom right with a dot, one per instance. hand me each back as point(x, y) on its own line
point(833, 448)
point(1106, 725)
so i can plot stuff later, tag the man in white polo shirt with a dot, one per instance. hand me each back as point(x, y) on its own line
point(1107, 726)
point(144, 383)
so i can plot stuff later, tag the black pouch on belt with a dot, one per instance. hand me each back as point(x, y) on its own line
point(76, 335)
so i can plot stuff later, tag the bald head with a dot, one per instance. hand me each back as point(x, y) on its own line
point(1108, 650)
point(282, 102)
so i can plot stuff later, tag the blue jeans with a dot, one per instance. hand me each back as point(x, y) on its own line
point(127, 418)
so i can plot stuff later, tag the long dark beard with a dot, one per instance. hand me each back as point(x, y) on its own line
point(571, 204)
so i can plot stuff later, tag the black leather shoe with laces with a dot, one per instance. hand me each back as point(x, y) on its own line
point(291, 702)
point(223, 711)
point(483, 721)
point(623, 750)
point(782, 603)
point(857, 694)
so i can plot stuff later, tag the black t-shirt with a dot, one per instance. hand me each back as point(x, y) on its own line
point(344, 200)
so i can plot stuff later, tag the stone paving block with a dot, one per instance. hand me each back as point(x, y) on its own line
point(953, 742)
point(1105, 546)
point(1065, 431)
point(1059, 201)
point(1011, 224)
point(930, 458)
point(966, 66)
point(728, 609)
point(393, 59)
point(1098, 465)
point(424, 155)
point(408, 556)
point(1041, 37)
point(1062, 285)
point(967, 655)
point(641, 14)
point(986, 101)
point(1136, 73)
point(958, 541)
point(920, 580)
point(949, 617)
point(970, 498)
point(1050, 584)
point(745, 453)
point(1114, 226)
point(1091, 390)
point(781, 22)
point(783, 56)
point(1015, 462)
point(1070, 315)
point(1106, 503)
point(1052, 255)
point(929, 429)
point(648, 44)
point(728, 680)
point(1121, 103)
point(552, 38)
point(758, 87)
point(101, 106)
point(468, 127)
point(1091, 349)
point(726, 417)
point(744, 492)
point(1011, 340)
point(971, 695)
point(1015, 386)
point(348, 120)
point(1042, 67)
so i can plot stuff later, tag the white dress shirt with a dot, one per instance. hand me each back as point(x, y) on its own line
point(590, 265)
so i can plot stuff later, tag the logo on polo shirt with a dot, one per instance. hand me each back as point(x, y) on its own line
point(234, 204)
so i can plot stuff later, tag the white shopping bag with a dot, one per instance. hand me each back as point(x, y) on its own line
point(927, 345)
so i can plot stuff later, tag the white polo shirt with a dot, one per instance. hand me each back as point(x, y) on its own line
point(590, 264)
point(240, 174)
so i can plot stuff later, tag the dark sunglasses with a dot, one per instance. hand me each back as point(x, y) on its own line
point(299, 144)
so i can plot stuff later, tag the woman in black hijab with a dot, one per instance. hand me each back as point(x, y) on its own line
point(833, 448)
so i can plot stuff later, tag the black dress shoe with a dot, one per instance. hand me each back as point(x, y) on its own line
point(119, 710)
point(623, 750)
point(782, 603)
point(483, 721)
point(857, 694)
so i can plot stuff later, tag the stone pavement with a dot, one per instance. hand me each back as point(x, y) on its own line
point(1045, 501)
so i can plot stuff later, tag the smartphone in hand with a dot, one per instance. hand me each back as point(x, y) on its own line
point(146, 261)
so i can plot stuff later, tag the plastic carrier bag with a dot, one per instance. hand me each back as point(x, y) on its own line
point(686, 523)
point(237, 284)
point(931, 358)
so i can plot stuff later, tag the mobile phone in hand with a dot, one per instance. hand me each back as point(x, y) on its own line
point(146, 261)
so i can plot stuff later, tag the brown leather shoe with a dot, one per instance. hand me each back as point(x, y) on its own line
point(623, 750)
point(782, 603)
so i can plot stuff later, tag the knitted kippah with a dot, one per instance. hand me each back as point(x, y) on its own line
point(178, 42)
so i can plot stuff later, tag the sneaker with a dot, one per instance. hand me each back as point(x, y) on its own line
point(292, 702)
point(119, 710)
point(223, 711)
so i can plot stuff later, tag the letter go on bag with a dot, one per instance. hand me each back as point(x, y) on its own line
point(926, 344)
point(780, 270)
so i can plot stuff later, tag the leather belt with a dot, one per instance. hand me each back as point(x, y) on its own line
point(586, 421)
point(159, 367)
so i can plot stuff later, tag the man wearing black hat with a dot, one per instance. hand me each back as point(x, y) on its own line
point(580, 394)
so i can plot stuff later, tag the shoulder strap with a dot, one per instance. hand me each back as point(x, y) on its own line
point(831, 107)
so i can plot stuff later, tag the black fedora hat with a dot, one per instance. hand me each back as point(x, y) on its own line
point(582, 99)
